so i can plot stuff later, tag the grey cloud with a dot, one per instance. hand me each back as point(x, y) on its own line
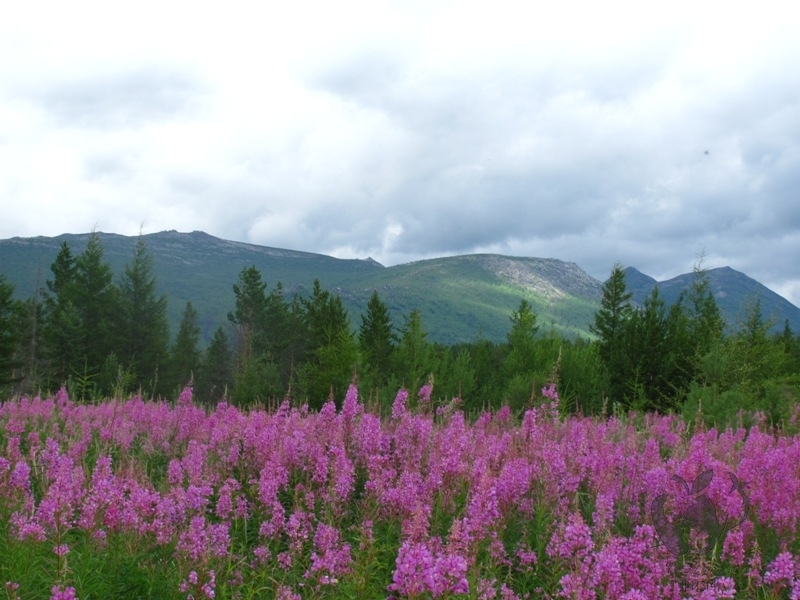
point(121, 100)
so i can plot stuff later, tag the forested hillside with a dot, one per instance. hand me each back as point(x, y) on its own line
point(101, 333)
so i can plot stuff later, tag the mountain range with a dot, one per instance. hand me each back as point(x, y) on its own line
point(460, 298)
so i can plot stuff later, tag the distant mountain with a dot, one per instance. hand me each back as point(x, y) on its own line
point(733, 291)
point(460, 298)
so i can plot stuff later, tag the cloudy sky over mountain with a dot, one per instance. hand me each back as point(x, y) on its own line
point(593, 132)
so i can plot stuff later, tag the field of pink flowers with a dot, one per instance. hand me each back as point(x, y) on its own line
point(142, 499)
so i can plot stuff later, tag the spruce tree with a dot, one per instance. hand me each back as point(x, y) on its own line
point(260, 322)
point(184, 356)
point(249, 315)
point(705, 321)
point(521, 340)
point(97, 305)
point(332, 349)
point(142, 326)
point(376, 340)
point(413, 357)
point(9, 335)
point(216, 374)
point(610, 325)
point(62, 328)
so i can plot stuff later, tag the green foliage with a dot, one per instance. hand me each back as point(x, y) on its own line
point(376, 339)
point(705, 322)
point(216, 375)
point(256, 381)
point(581, 378)
point(141, 324)
point(456, 376)
point(752, 357)
point(654, 355)
point(103, 339)
point(414, 358)
point(610, 325)
point(250, 315)
point(97, 302)
point(331, 348)
point(184, 356)
point(9, 334)
point(330, 370)
point(521, 339)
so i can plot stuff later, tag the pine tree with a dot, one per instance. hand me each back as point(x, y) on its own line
point(413, 357)
point(376, 340)
point(705, 321)
point(216, 374)
point(521, 340)
point(62, 328)
point(96, 301)
point(184, 356)
point(610, 325)
point(142, 327)
point(325, 315)
point(332, 349)
point(261, 324)
point(10, 310)
point(249, 315)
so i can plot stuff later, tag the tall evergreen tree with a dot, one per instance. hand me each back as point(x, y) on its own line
point(249, 316)
point(521, 340)
point(414, 357)
point(705, 321)
point(333, 351)
point(62, 328)
point(647, 349)
point(142, 327)
point(751, 356)
point(10, 310)
point(376, 340)
point(261, 325)
point(184, 356)
point(216, 374)
point(325, 315)
point(96, 301)
point(610, 325)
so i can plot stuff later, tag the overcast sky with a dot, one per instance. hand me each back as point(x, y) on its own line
point(594, 132)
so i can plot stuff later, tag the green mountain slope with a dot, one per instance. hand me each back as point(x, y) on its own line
point(460, 298)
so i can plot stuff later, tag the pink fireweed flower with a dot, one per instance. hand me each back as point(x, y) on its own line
point(451, 575)
point(284, 592)
point(21, 476)
point(202, 539)
point(329, 559)
point(549, 391)
point(414, 571)
point(63, 593)
point(185, 399)
point(733, 547)
point(174, 472)
point(424, 393)
point(350, 406)
point(780, 570)
point(572, 541)
point(399, 409)
point(61, 550)
point(419, 570)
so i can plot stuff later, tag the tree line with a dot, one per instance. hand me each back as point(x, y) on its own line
point(100, 336)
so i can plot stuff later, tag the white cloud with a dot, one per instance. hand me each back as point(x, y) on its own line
point(591, 132)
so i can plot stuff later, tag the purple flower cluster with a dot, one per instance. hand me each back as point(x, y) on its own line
point(420, 570)
point(299, 498)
